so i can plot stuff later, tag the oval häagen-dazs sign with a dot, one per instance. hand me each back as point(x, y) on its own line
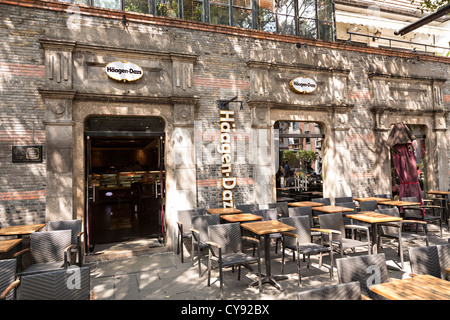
point(124, 71)
point(303, 85)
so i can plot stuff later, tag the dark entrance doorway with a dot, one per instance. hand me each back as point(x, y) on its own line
point(125, 179)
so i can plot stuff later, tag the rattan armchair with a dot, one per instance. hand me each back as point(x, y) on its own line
point(299, 240)
point(184, 224)
point(396, 231)
point(77, 233)
point(8, 279)
point(225, 249)
point(199, 231)
point(432, 260)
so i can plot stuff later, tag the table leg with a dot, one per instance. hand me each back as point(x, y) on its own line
point(268, 277)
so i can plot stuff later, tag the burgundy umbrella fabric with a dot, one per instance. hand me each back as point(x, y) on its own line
point(405, 165)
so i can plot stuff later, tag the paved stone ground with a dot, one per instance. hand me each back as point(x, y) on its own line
point(162, 276)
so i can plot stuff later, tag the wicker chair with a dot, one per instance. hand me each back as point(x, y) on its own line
point(369, 205)
point(334, 222)
point(342, 199)
point(184, 223)
point(342, 291)
point(225, 248)
point(430, 260)
point(395, 230)
point(77, 233)
point(368, 270)
point(199, 229)
point(247, 208)
point(305, 211)
point(325, 201)
point(282, 208)
point(421, 212)
point(8, 281)
point(70, 284)
point(49, 251)
point(299, 240)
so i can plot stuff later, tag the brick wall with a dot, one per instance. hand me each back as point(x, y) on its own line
point(219, 74)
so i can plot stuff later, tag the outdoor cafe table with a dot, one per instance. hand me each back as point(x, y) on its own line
point(378, 199)
point(20, 230)
point(418, 287)
point(223, 211)
point(332, 209)
point(241, 217)
point(7, 245)
point(265, 228)
point(306, 204)
point(374, 218)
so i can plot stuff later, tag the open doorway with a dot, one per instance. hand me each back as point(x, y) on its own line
point(299, 175)
point(125, 179)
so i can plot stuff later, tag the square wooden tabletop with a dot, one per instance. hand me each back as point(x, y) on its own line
point(223, 211)
point(306, 204)
point(6, 245)
point(438, 192)
point(418, 287)
point(267, 227)
point(373, 217)
point(20, 230)
point(398, 203)
point(241, 217)
point(378, 199)
point(333, 209)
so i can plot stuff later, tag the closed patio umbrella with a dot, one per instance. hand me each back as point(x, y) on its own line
point(400, 140)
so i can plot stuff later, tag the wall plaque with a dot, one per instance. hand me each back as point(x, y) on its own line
point(124, 71)
point(303, 85)
point(26, 153)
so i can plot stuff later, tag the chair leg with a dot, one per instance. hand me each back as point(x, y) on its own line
point(299, 270)
point(400, 246)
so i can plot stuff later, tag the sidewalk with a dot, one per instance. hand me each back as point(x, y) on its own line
point(162, 276)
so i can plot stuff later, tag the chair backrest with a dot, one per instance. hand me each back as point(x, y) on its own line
point(368, 270)
point(383, 195)
point(408, 211)
point(185, 217)
point(343, 199)
point(7, 275)
point(201, 223)
point(325, 201)
point(227, 236)
point(369, 205)
point(74, 225)
point(333, 221)
point(430, 260)
point(49, 246)
point(247, 208)
point(302, 229)
point(68, 284)
point(351, 205)
point(342, 291)
point(282, 208)
point(390, 212)
point(267, 214)
point(302, 211)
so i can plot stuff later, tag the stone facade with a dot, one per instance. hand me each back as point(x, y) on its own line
point(52, 63)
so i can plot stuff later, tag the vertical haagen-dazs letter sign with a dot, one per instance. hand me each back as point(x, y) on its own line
point(228, 183)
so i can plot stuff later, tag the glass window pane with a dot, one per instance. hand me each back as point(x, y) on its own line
point(109, 4)
point(226, 2)
point(286, 7)
point(326, 30)
point(325, 10)
point(267, 21)
point(286, 24)
point(307, 28)
point(219, 14)
point(243, 3)
point(307, 9)
point(193, 10)
point(167, 8)
point(242, 18)
point(140, 6)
